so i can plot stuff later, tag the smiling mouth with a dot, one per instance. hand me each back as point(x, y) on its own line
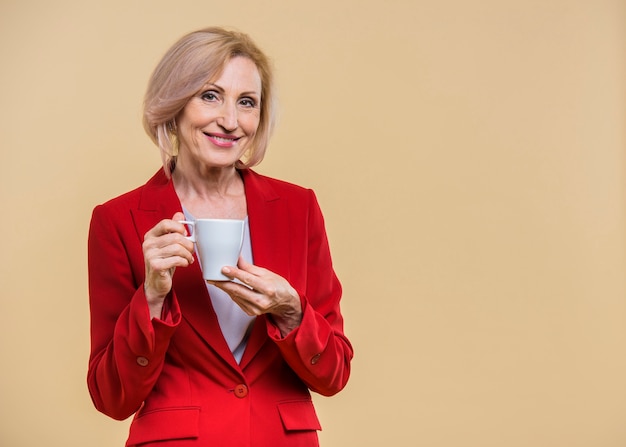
point(221, 140)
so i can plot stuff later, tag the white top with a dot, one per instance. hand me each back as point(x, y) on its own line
point(234, 322)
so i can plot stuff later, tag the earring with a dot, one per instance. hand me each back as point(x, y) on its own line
point(175, 144)
point(173, 137)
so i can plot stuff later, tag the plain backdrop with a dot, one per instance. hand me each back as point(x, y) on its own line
point(469, 157)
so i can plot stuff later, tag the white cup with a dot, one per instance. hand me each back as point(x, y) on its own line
point(218, 243)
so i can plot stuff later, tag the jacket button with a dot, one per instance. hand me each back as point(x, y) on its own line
point(315, 359)
point(142, 361)
point(241, 391)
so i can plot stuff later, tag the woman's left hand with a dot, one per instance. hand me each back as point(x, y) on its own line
point(266, 293)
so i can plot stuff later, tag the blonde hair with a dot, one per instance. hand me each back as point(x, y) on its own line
point(186, 67)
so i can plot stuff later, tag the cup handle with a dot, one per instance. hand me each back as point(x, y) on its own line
point(192, 225)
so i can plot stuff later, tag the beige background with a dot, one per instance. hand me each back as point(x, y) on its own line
point(468, 156)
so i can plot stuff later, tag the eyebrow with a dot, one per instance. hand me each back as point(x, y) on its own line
point(221, 90)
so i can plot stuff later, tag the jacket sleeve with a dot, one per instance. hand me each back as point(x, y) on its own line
point(127, 347)
point(318, 350)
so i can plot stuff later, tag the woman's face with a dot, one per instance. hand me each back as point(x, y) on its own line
point(217, 124)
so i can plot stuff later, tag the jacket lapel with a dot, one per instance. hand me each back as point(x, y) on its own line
point(159, 201)
point(269, 236)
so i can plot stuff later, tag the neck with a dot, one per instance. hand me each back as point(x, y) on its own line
point(217, 193)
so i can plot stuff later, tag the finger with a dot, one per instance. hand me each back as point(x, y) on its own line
point(167, 226)
point(249, 274)
point(249, 267)
point(171, 244)
point(167, 239)
point(178, 217)
point(246, 278)
point(248, 307)
point(234, 289)
point(159, 265)
point(230, 287)
point(245, 298)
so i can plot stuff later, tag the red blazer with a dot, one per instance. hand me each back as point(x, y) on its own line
point(177, 374)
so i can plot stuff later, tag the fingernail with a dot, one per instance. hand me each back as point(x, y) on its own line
point(225, 270)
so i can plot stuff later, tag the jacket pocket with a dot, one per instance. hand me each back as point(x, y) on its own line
point(298, 415)
point(164, 424)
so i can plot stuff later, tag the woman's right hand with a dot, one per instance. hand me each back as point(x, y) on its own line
point(165, 247)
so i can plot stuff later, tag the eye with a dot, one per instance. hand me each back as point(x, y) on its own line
point(247, 102)
point(209, 95)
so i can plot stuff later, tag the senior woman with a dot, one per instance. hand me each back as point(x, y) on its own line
point(213, 363)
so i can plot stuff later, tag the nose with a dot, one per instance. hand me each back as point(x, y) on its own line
point(228, 119)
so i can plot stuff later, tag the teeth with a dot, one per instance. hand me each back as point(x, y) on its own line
point(223, 140)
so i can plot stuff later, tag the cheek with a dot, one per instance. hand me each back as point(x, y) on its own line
point(195, 114)
point(251, 124)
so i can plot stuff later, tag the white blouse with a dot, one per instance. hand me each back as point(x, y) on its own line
point(234, 322)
